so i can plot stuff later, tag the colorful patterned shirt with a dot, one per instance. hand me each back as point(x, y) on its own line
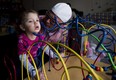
point(25, 44)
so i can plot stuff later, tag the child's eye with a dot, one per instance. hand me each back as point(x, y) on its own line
point(37, 20)
point(30, 21)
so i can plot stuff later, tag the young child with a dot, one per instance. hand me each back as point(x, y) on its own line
point(29, 24)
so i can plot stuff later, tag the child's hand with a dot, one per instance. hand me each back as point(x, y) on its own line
point(62, 54)
point(41, 76)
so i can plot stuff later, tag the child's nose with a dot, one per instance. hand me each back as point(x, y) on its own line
point(35, 22)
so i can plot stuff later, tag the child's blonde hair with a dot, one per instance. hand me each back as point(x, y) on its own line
point(24, 14)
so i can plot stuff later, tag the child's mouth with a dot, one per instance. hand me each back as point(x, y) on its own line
point(37, 27)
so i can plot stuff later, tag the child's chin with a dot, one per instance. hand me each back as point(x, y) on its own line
point(37, 31)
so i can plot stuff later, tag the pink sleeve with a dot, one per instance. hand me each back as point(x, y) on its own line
point(21, 47)
point(43, 39)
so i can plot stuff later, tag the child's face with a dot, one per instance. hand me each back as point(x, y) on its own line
point(31, 23)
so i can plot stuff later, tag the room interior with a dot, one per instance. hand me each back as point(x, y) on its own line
point(92, 14)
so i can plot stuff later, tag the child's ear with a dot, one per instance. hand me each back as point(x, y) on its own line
point(22, 28)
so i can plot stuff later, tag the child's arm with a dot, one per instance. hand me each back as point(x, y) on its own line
point(50, 52)
point(31, 69)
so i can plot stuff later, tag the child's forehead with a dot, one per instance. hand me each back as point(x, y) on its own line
point(31, 15)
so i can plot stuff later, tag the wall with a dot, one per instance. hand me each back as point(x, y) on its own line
point(87, 6)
